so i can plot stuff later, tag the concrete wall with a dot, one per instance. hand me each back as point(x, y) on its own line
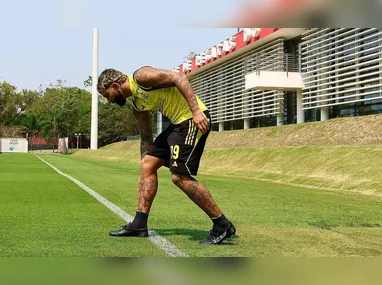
point(273, 80)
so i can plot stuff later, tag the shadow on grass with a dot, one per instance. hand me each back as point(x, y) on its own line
point(322, 224)
point(194, 235)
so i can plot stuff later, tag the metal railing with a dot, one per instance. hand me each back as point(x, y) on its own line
point(285, 62)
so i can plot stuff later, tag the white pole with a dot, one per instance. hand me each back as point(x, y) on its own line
point(94, 125)
point(300, 112)
point(280, 119)
point(246, 124)
point(221, 126)
point(324, 113)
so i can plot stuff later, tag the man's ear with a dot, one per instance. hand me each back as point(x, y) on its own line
point(115, 86)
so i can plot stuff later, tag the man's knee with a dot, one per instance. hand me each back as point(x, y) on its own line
point(179, 179)
point(148, 165)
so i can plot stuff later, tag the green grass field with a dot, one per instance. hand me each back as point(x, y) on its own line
point(354, 168)
point(45, 214)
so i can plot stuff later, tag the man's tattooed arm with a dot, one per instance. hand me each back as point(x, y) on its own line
point(152, 77)
point(145, 129)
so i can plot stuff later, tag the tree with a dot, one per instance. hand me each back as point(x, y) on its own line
point(10, 131)
point(60, 111)
point(115, 123)
point(30, 124)
point(15, 116)
point(88, 82)
point(27, 98)
point(77, 104)
point(9, 104)
point(190, 56)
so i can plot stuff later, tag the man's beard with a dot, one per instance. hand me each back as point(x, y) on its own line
point(120, 100)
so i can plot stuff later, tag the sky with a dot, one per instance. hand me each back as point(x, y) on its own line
point(42, 40)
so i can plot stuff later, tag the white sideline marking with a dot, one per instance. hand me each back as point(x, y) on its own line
point(162, 243)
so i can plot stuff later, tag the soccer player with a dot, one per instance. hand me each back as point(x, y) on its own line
point(179, 147)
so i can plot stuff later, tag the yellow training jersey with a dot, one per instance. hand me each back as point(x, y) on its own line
point(169, 101)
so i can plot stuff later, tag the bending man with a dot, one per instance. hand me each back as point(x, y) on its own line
point(179, 147)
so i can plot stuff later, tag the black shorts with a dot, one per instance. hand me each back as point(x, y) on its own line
point(181, 146)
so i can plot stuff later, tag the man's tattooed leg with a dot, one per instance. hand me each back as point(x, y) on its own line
point(198, 193)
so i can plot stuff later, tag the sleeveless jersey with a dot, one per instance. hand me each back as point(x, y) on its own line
point(169, 101)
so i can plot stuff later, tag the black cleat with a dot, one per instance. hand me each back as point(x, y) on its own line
point(128, 231)
point(216, 236)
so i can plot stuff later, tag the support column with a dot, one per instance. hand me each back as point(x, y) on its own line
point(300, 112)
point(221, 127)
point(246, 124)
point(280, 116)
point(280, 119)
point(324, 113)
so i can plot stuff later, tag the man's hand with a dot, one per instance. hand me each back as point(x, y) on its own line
point(201, 121)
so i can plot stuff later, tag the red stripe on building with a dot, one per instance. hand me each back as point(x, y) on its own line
point(240, 43)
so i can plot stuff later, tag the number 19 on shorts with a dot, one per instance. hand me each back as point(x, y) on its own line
point(175, 151)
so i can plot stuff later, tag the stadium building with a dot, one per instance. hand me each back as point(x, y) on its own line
point(275, 76)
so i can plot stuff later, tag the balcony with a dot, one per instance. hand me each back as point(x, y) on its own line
point(278, 72)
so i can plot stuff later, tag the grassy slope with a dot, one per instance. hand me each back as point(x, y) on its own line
point(365, 130)
point(339, 154)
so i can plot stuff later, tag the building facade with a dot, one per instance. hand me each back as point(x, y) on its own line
point(340, 70)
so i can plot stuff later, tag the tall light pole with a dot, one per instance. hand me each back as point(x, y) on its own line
point(77, 135)
point(94, 125)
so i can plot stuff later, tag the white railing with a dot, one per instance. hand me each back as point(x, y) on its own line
point(341, 66)
point(222, 88)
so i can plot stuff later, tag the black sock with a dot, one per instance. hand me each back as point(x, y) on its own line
point(140, 220)
point(220, 222)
